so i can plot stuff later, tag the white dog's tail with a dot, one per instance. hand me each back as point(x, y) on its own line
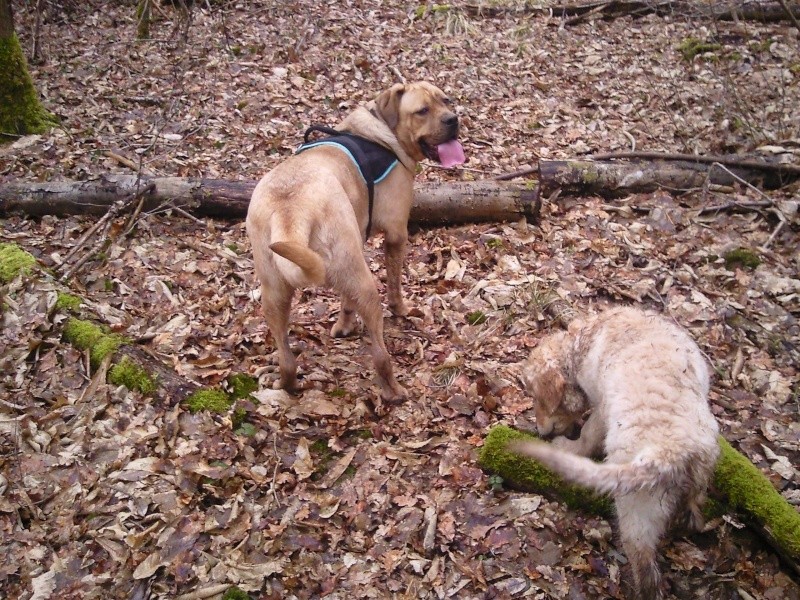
point(299, 264)
point(606, 478)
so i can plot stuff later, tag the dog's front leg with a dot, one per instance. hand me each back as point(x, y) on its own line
point(394, 246)
point(590, 441)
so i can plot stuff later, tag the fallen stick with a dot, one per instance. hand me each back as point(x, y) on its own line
point(434, 204)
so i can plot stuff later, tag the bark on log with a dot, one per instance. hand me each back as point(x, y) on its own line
point(618, 178)
point(434, 204)
point(612, 9)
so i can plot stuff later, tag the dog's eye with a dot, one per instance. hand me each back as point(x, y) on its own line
point(447, 101)
point(423, 111)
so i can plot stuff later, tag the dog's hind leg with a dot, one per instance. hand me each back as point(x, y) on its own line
point(276, 302)
point(346, 323)
point(359, 291)
point(643, 519)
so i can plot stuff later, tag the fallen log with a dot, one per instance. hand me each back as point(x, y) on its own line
point(618, 178)
point(434, 204)
point(747, 10)
point(738, 487)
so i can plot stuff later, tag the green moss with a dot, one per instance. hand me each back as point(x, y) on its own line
point(242, 385)
point(742, 257)
point(238, 418)
point(246, 429)
point(13, 261)
point(68, 302)
point(85, 335)
point(215, 401)
point(132, 376)
point(494, 243)
point(476, 318)
point(323, 456)
point(748, 491)
point(691, 47)
point(337, 393)
point(363, 434)
point(234, 593)
point(20, 110)
point(528, 475)
point(740, 485)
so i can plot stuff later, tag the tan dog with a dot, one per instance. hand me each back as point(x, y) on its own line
point(646, 383)
point(308, 219)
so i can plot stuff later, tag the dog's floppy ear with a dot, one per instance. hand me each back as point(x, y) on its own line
point(387, 105)
point(546, 384)
point(552, 388)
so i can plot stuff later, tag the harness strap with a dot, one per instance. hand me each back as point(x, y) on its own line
point(361, 159)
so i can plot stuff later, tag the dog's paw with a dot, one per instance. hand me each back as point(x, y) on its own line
point(340, 330)
point(563, 442)
point(394, 395)
point(399, 309)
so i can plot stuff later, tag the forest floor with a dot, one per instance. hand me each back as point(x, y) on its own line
point(107, 494)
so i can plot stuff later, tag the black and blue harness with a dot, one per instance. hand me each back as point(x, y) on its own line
point(373, 161)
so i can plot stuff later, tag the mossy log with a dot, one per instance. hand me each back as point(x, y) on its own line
point(129, 364)
point(738, 487)
point(748, 10)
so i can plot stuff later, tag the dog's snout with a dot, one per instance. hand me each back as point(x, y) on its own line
point(450, 120)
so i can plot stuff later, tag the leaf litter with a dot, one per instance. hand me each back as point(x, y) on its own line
point(106, 494)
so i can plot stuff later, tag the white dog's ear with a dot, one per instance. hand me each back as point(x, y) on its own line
point(544, 384)
point(387, 105)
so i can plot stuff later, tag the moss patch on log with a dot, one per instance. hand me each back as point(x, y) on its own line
point(13, 261)
point(133, 376)
point(528, 475)
point(748, 491)
point(743, 488)
point(85, 335)
point(211, 400)
point(20, 110)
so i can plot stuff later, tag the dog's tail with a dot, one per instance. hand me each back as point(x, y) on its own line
point(605, 477)
point(299, 264)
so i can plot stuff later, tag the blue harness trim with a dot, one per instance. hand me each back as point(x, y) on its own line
point(373, 161)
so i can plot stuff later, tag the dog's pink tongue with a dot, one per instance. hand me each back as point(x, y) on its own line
point(451, 154)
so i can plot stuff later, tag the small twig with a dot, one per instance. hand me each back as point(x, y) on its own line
point(515, 174)
point(578, 18)
point(631, 139)
point(133, 219)
point(398, 74)
point(12, 405)
point(206, 592)
point(117, 208)
point(275, 470)
point(773, 236)
point(745, 206)
point(742, 181)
